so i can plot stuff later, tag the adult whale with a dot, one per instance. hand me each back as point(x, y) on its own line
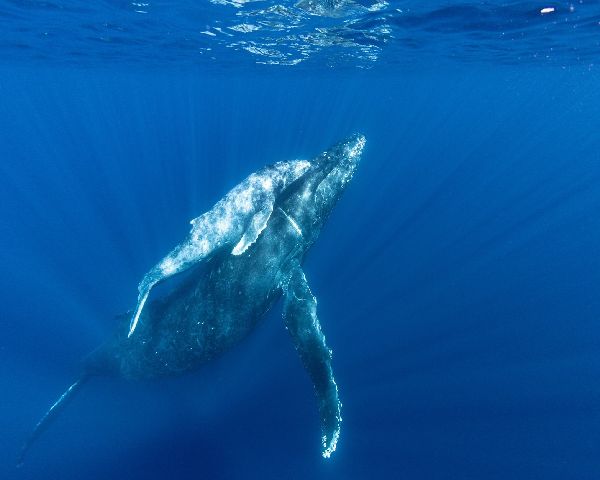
point(222, 301)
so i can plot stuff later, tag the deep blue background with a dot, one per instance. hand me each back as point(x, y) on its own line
point(457, 279)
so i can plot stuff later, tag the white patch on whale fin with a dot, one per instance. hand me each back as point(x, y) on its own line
point(256, 226)
point(134, 321)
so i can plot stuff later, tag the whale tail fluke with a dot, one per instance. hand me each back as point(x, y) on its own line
point(50, 415)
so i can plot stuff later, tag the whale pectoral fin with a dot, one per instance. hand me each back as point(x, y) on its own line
point(300, 315)
point(255, 227)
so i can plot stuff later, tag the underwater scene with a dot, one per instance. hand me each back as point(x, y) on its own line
point(314, 239)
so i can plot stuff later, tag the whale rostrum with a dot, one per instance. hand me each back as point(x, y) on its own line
point(247, 253)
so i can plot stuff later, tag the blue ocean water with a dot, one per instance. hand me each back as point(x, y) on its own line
point(456, 279)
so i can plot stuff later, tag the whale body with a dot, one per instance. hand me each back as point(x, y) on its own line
point(236, 220)
point(220, 303)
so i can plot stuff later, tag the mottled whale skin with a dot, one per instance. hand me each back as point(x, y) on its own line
point(218, 305)
point(235, 221)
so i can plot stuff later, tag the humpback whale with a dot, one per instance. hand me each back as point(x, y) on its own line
point(238, 217)
point(218, 304)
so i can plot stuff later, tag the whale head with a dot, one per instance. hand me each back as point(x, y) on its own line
point(313, 196)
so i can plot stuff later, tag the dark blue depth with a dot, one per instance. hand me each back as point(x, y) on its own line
point(457, 279)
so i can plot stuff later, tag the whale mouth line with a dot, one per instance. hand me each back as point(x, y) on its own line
point(293, 222)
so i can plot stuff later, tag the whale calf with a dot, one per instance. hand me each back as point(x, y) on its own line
point(221, 302)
